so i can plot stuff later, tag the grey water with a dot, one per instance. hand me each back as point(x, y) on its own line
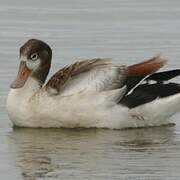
point(126, 30)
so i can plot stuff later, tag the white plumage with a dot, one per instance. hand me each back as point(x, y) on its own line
point(85, 109)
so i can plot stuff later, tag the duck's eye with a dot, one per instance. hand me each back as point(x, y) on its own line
point(34, 56)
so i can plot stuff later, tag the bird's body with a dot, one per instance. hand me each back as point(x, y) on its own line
point(92, 93)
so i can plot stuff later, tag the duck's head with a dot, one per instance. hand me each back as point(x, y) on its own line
point(35, 61)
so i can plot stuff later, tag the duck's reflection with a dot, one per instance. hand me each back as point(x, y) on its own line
point(63, 152)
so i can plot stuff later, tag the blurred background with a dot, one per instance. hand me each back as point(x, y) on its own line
point(126, 30)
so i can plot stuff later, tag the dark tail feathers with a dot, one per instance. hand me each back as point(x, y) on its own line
point(159, 77)
point(164, 76)
point(140, 93)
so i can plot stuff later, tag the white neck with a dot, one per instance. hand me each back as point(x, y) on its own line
point(17, 101)
point(29, 89)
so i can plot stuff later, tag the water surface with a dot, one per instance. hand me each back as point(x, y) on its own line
point(128, 31)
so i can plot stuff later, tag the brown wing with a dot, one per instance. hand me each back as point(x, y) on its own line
point(99, 75)
point(59, 79)
point(139, 71)
point(147, 67)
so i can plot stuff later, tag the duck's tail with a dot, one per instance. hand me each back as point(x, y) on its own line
point(154, 102)
point(145, 93)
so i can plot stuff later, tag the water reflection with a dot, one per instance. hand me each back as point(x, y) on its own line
point(81, 153)
point(127, 31)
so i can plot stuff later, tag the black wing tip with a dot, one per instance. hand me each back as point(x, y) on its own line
point(146, 93)
point(164, 76)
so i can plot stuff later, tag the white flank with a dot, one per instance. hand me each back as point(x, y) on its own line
point(31, 107)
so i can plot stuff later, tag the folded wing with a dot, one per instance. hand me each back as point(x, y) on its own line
point(94, 75)
point(97, 75)
point(146, 92)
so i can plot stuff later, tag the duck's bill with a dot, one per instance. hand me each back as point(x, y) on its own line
point(22, 76)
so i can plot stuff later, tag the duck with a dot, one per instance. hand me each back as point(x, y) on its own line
point(92, 93)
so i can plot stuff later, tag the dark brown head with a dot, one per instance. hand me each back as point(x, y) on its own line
point(35, 57)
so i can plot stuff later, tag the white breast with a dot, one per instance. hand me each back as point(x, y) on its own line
point(17, 105)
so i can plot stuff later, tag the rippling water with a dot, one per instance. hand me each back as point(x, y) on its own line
point(128, 31)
